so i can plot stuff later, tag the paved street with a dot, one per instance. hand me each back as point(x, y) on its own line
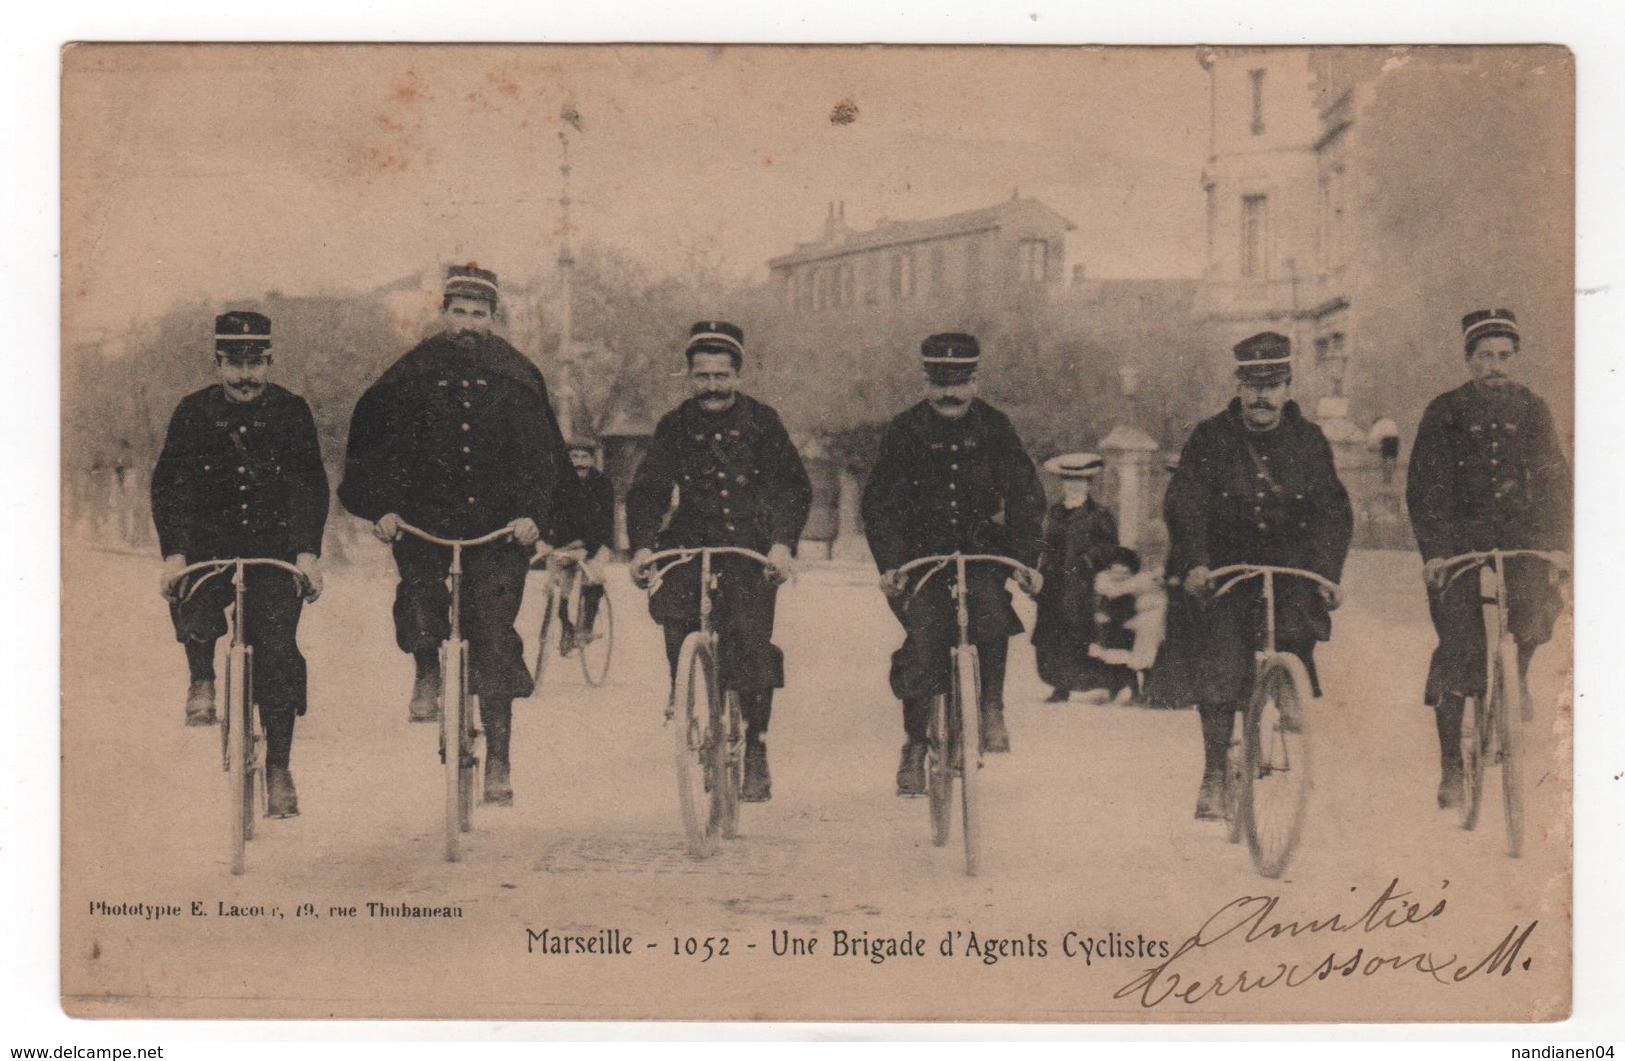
point(1089, 830)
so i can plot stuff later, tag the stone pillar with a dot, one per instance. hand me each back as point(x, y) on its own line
point(1129, 453)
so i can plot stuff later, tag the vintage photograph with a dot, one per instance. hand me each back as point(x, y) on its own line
point(817, 533)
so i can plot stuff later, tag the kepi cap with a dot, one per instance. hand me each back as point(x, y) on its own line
point(1482, 323)
point(716, 337)
point(1264, 358)
point(242, 333)
point(950, 357)
point(470, 281)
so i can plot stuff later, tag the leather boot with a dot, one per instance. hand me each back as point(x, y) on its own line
point(200, 702)
point(496, 716)
point(425, 703)
point(911, 770)
point(995, 738)
point(1217, 722)
point(758, 783)
point(1447, 716)
point(281, 801)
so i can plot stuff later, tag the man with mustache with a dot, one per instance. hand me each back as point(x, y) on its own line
point(1255, 485)
point(241, 475)
point(597, 530)
point(951, 475)
point(1486, 472)
point(458, 438)
point(721, 470)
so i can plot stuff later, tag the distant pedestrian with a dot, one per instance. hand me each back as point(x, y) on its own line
point(1079, 533)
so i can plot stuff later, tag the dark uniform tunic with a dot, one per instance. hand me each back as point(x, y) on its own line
point(1076, 542)
point(461, 443)
point(736, 479)
point(243, 479)
point(1487, 472)
point(1270, 497)
point(941, 486)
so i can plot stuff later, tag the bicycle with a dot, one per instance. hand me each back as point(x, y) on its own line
point(1491, 732)
point(709, 745)
point(242, 740)
point(594, 645)
point(956, 718)
point(1268, 774)
point(459, 734)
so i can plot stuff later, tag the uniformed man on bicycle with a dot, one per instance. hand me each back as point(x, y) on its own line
point(721, 470)
point(951, 476)
point(458, 438)
point(1255, 485)
point(241, 475)
point(597, 536)
point(1486, 472)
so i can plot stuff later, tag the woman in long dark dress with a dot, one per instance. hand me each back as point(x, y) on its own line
point(1079, 532)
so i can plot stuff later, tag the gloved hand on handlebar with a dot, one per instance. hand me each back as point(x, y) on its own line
point(311, 568)
point(781, 567)
point(892, 583)
point(169, 579)
point(1030, 581)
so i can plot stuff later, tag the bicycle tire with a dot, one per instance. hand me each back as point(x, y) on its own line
point(254, 767)
point(1234, 766)
point(238, 791)
point(1510, 718)
point(939, 773)
point(694, 740)
point(1277, 777)
point(729, 758)
point(453, 724)
point(595, 660)
point(548, 637)
point(1475, 750)
point(967, 690)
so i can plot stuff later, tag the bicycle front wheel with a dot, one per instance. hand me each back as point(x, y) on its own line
point(697, 735)
point(1509, 716)
point(595, 646)
point(454, 711)
point(1276, 767)
point(548, 638)
point(729, 757)
point(239, 711)
point(939, 771)
point(1475, 751)
point(966, 699)
point(1235, 766)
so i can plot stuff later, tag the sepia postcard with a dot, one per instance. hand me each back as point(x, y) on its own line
point(817, 533)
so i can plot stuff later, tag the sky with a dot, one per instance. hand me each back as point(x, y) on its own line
point(220, 171)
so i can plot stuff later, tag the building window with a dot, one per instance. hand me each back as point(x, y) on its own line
point(1034, 260)
point(902, 276)
point(939, 272)
point(1257, 79)
point(1212, 225)
point(1254, 218)
point(790, 290)
point(849, 285)
point(973, 264)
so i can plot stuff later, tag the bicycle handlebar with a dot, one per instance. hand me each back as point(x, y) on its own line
point(215, 567)
point(942, 560)
point(683, 556)
point(1465, 562)
point(434, 539)
point(1243, 572)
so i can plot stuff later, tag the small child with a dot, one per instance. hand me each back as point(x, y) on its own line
point(1129, 608)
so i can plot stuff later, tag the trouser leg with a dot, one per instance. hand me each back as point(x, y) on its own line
point(493, 589)
point(496, 719)
point(200, 660)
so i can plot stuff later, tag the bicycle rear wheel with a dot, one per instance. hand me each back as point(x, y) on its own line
point(696, 737)
point(1475, 751)
point(939, 771)
point(967, 696)
point(729, 757)
point(547, 640)
point(453, 729)
point(239, 708)
point(1509, 717)
point(1276, 777)
point(595, 646)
